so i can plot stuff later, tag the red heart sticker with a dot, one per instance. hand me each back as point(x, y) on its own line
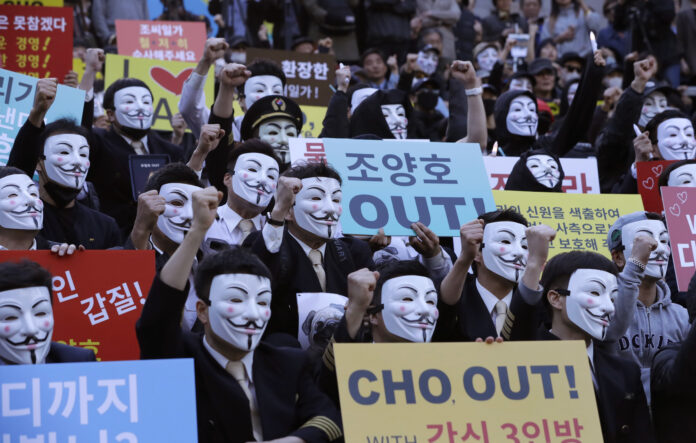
point(171, 83)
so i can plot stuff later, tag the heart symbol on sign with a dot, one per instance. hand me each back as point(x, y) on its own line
point(682, 196)
point(171, 83)
point(657, 170)
point(649, 183)
point(675, 210)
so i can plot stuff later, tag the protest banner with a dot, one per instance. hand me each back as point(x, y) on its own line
point(129, 401)
point(55, 3)
point(96, 310)
point(582, 221)
point(648, 175)
point(172, 41)
point(680, 213)
point(306, 150)
point(319, 313)
point(16, 100)
point(384, 186)
point(523, 391)
point(165, 79)
point(580, 173)
point(36, 41)
point(78, 65)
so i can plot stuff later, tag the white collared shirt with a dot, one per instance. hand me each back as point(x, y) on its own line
point(247, 361)
point(307, 249)
point(227, 227)
point(490, 300)
point(33, 247)
point(130, 140)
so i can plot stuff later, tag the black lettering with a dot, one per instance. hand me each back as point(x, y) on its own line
point(355, 207)
point(521, 393)
point(391, 386)
point(471, 391)
point(400, 211)
point(445, 386)
point(354, 388)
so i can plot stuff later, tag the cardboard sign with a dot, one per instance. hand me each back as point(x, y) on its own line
point(319, 313)
point(128, 401)
point(308, 75)
point(141, 167)
point(165, 79)
point(580, 173)
point(393, 185)
point(582, 221)
point(36, 41)
point(524, 391)
point(96, 310)
point(16, 100)
point(177, 41)
point(680, 212)
point(648, 174)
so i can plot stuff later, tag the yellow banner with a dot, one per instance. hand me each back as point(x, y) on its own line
point(451, 392)
point(313, 118)
point(79, 67)
point(58, 3)
point(165, 79)
point(581, 220)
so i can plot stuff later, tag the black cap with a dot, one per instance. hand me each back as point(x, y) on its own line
point(539, 65)
point(425, 82)
point(266, 108)
point(572, 56)
point(427, 48)
point(237, 42)
point(662, 87)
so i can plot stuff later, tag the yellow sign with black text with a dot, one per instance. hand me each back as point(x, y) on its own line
point(582, 221)
point(446, 392)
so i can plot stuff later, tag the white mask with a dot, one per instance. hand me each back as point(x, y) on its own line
point(522, 118)
point(26, 325)
point(520, 84)
point(395, 115)
point(544, 169)
point(657, 264)
point(133, 107)
point(571, 92)
point(176, 219)
point(614, 82)
point(277, 133)
point(359, 96)
point(684, 176)
point(240, 307)
point(486, 59)
point(589, 305)
point(410, 307)
point(318, 206)
point(67, 159)
point(652, 105)
point(505, 249)
point(675, 139)
point(255, 178)
point(20, 205)
point(427, 61)
point(260, 86)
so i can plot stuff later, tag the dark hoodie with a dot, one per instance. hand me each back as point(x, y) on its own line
point(511, 144)
point(368, 118)
point(521, 178)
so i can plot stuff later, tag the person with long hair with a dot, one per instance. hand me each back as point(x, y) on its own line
point(569, 25)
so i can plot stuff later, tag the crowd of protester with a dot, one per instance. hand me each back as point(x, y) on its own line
point(238, 231)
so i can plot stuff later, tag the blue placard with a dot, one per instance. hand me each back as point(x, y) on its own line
point(392, 184)
point(16, 99)
point(126, 401)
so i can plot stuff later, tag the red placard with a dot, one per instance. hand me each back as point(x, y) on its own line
point(648, 174)
point(97, 297)
point(680, 213)
point(36, 41)
point(173, 41)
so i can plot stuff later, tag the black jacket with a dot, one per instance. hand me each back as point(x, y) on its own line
point(389, 21)
point(367, 118)
point(288, 401)
point(521, 178)
point(335, 123)
point(60, 353)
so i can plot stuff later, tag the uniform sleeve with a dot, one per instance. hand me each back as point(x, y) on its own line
point(521, 322)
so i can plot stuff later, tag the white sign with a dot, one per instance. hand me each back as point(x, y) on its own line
point(318, 311)
point(581, 175)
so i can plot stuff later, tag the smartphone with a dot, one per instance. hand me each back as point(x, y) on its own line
point(322, 49)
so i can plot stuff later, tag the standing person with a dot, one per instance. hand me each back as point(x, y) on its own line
point(502, 22)
point(441, 15)
point(389, 26)
point(376, 70)
point(686, 34)
point(569, 25)
point(106, 12)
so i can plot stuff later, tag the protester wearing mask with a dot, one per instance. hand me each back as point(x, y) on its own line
point(572, 66)
point(384, 114)
point(342, 104)
point(427, 122)
point(486, 55)
point(537, 171)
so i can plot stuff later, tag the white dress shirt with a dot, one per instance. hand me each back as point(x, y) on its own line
point(33, 247)
point(227, 228)
point(130, 140)
point(490, 300)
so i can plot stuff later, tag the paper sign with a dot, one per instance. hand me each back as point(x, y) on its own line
point(129, 401)
point(16, 100)
point(165, 79)
point(580, 173)
point(78, 65)
point(36, 41)
point(141, 167)
point(648, 176)
point(393, 185)
point(177, 41)
point(582, 221)
point(319, 314)
point(441, 392)
point(96, 310)
point(308, 150)
point(680, 212)
point(308, 75)
point(57, 3)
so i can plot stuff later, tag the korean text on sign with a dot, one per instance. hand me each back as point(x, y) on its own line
point(173, 41)
point(103, 403)
point(680, 213)
point(581, 175)
point(392, 185)
point(36, 41)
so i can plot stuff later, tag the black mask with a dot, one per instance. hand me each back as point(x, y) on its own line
point(427, 100)
point(61, 195)
point(132, 133)
point(489, 106)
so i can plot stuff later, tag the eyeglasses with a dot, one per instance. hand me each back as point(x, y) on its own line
point(573, 69)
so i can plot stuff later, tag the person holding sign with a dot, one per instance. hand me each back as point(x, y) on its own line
point(26, 318)
point(246, 390)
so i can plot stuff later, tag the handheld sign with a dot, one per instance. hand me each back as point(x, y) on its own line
point(680, 212)
point(129, 401)
point(172, 41)
point(581, 175)
point(523, 391)
point(648, 176)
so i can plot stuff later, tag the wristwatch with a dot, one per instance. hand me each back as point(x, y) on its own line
point(272, 222)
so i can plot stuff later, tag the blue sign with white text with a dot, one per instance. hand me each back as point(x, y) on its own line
point(126, 401)
point(392, 184)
